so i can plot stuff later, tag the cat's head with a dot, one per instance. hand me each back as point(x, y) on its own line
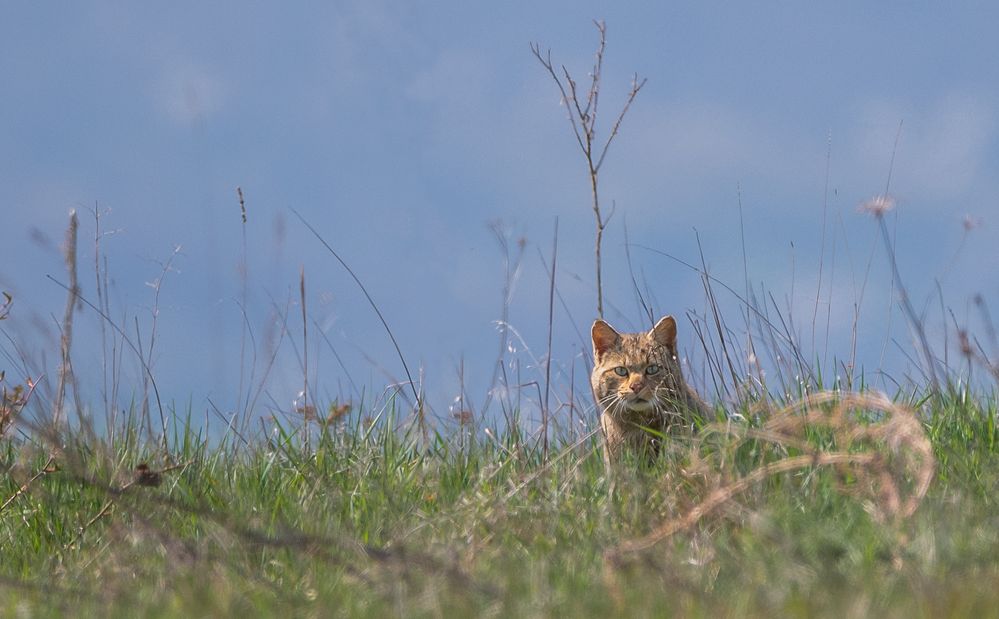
point(635, 371)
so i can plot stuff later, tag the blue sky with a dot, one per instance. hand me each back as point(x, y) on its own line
point(403, 131)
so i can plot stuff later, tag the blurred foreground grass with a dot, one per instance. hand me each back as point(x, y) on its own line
point(382, 520)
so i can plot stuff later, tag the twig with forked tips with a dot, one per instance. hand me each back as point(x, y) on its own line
point(583, 120)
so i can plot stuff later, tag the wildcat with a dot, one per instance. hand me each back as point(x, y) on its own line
point(637, 384)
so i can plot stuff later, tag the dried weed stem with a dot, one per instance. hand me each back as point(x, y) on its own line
point(891, 460)
point(583, 120)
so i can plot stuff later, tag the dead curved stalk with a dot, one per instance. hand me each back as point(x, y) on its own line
point(896, 463)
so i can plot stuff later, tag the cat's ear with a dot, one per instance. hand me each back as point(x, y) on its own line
point(664, 333)
point(604, 338)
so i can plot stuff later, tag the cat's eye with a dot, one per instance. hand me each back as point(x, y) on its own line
point(621, 370)
point(652, 369)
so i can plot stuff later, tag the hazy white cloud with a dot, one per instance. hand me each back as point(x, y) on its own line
point(188, 93)
point(456, 76)
point(677, 154)
point(942, 147)
point(704, 138)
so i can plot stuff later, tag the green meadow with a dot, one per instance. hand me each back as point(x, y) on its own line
point(375, 516)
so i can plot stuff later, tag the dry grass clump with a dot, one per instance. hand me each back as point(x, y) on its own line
point(878, 448)
point(12, 402)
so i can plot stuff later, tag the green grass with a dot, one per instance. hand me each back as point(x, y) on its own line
point(388, 523)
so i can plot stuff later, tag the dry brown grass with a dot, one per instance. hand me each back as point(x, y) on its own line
point(12, 402)
point(879, 446)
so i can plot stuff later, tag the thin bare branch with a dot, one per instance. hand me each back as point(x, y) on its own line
point(583, 119)
point(598, 64)
point(546, 62)
point(45, 470)
point(635, 87)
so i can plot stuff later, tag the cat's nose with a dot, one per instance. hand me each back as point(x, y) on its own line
point(637, 386)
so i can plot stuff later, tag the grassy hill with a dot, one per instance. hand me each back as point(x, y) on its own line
point(376, 517)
